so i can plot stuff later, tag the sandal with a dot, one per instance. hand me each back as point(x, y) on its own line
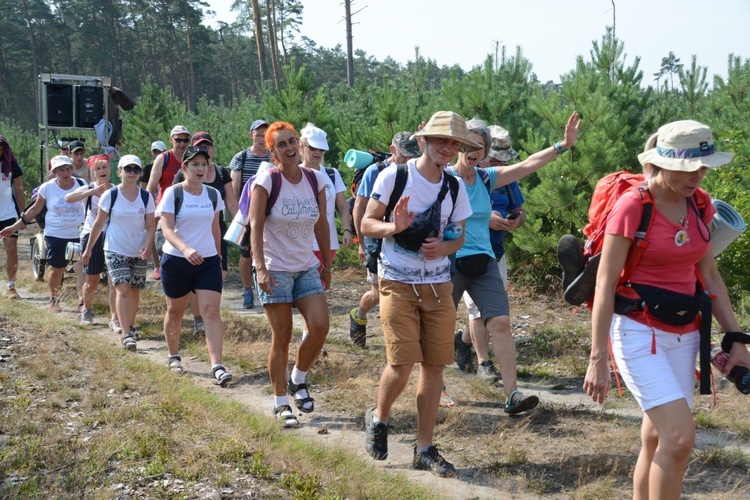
point(284, 413)
point(175, 364)
point(221, 376)
point(300, 403)
point(445, 400)
point(521, 405)
point(128, 342)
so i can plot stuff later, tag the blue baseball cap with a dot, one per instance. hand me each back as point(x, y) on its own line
point(258, 124)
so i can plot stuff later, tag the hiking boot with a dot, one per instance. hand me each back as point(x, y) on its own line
point(11, 293)
point(462, 353)
point(357, 329)
point(570, 256)
point(87, 317)
point(433, 461)
point(114, 325)
point(376, 437)
point(583, 285)
point(486, 371)
point(198, 327)
point(247, 301)
point(157, 274)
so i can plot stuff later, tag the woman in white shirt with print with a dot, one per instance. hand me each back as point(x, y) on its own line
point(191, 259)
point(127, 243)
point(286, 270)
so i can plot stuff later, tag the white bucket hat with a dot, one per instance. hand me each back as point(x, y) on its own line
point(685, 146)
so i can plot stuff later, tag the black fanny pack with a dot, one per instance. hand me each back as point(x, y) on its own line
point(666, 306)
point(472, 266)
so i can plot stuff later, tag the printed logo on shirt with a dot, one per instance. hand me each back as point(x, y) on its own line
point(198, 205)
point(299, 207)
point(141, 211)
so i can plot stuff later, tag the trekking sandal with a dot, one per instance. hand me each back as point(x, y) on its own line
point(521, 404)
point(128, 342)
point(175, 364)
point(221, 376)
point(300, 403)
point(284, 413)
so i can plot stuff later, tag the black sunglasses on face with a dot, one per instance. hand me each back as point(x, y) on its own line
point(180, 140)
point(128, 169)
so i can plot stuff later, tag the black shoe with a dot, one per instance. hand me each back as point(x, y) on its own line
point(570, 256)
point(357, 329)
point(583, 286)
point(486, 371)
point(432, 460)
point(376, 437)
point(462, 353)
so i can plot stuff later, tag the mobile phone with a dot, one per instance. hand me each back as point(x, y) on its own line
point(513, 215)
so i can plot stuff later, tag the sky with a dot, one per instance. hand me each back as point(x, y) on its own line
point(551, 33)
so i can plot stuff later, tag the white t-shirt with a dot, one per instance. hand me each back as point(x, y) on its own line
point(289, 230)
point(62, 219)
point(194, 222)
point(90, 217)
point(331, 192)
point(399, 264)
point(126, 234)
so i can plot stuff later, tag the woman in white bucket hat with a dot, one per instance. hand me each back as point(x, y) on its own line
point(656, 352)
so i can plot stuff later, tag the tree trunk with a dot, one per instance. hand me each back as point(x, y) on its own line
point(272, 44)
point(259, 40)
point(349, 44)
point(191, 73)
point(32, 46)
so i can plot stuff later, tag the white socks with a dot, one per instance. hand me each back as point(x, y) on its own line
point(299, 377)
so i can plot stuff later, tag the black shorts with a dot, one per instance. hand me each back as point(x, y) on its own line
point(56, 250)
point(224, 255)
point(7, 223)
point(96, 264)
point(245, 245)
point(179, 277)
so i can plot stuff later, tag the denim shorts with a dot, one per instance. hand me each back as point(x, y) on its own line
point(290, 287)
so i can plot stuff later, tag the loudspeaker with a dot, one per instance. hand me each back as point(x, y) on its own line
point(59, 105)
point(89, 105)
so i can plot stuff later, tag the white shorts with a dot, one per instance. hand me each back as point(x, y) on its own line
point(654, 379)
point(502, 266)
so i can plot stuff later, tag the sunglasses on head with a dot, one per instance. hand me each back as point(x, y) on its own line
point(176, 139)
point(131, 169)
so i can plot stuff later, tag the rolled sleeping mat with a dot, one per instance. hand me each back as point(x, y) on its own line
point(726, 226)
point(358, 159)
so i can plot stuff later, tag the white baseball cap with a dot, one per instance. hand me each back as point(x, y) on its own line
point(129, 160)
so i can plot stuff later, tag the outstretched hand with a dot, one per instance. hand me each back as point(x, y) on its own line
point(571, 130)
point(402, 217)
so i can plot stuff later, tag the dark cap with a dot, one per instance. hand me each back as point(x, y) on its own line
point(193, 151)
point(258, 124)
point(406, 145)
point(200, 137)
point(75, 146)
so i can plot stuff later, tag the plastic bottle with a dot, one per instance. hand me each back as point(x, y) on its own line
point(739, 375)
point(452, 231)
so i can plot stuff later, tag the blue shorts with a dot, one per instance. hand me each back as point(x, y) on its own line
point(290, 287)
point(179, 277)
point(96, 263)
point(56, 250)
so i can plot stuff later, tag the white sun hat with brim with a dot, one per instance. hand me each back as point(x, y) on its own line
point(60, 161)
point(449, 125)
point(685, 146)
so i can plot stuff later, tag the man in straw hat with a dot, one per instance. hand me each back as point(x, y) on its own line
point(655, 348)
point(416, 308)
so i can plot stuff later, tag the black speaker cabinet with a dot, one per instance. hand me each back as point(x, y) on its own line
point(89, 105)
point(59, 105)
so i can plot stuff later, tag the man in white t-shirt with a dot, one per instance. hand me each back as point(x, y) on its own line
point(12, 202)
point(416, 308)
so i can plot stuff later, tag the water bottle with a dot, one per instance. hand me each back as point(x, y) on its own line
point(452, 231)
point(739, 375)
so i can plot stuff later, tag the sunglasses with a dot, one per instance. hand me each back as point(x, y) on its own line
point(129, 169)
point(183, 141)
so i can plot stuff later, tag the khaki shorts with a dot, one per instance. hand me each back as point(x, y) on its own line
point(414, 331)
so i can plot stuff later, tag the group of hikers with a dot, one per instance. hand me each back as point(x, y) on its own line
point(429, 222)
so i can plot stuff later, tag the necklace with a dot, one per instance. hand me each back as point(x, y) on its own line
point(682, 235)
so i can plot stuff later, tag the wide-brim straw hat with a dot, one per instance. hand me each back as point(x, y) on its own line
point(685, 146)
point(449, 125)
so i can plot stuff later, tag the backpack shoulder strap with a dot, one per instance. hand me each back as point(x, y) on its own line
point(213, 195)
point(453, 187)
point(144, 197)
point(640, 241)
point(331, 175)
point(485, 178)
point(178, 196)
point(275, 188)
point(402, 174)
point(87, 209)
point(113, 192)
point(243, 158)
point(312, 180)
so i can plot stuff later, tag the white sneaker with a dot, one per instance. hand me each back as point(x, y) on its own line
point(114, 325)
